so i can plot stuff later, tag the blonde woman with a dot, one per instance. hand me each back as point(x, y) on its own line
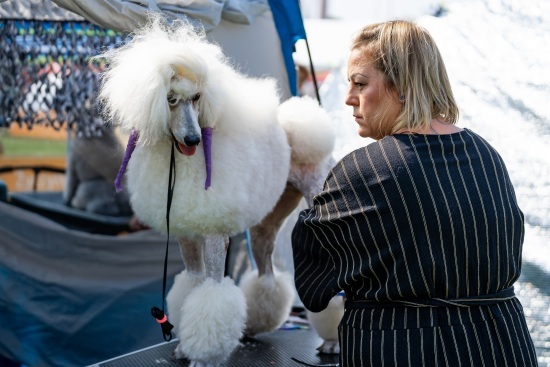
point(420, 228)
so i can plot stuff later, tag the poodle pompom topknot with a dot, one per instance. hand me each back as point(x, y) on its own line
point(141, 73)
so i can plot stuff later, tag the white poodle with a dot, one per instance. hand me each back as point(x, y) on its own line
point(242, 161)
point(326, 322)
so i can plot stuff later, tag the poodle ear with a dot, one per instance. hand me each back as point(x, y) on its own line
point(210, 108)
point(213, 100)
point(155, 110)
point(133, 94)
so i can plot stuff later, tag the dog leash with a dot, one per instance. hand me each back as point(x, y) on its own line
point(159, 314)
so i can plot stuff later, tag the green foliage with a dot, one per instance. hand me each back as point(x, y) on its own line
point(18, 146)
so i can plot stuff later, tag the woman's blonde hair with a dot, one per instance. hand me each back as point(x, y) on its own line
point(414, 68)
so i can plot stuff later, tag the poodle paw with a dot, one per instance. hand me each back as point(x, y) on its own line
point(269, 300)
point(329, 347)
point(179, 354)
point(211, 323)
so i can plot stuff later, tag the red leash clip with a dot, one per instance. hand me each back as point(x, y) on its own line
point(162, 319)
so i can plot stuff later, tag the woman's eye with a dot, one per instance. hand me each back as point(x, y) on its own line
point(196, 97)
point(172, 99)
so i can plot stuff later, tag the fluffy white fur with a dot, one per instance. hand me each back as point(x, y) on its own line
point(249, 146)
point(326, 322)
point(311, 138)
point(211, 322)
point(269, 299)
point(168, 83)
point(184, 283)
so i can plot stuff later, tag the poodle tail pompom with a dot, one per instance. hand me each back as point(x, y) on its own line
point(308, 128)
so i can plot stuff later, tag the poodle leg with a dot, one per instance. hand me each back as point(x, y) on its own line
point(192, 253)
point(269, 300)
point(71, 179)
point(263, 234)
point(310, 178)
point(325, 323)
point(215, 251)
point(269, 294)
point(186, 281)
point(213, 314)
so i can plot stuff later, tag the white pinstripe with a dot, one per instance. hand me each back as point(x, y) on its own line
point(453, 181)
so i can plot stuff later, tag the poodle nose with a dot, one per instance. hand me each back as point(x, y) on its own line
point(192, 140)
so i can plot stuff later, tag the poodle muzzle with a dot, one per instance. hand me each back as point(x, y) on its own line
point(206, 133)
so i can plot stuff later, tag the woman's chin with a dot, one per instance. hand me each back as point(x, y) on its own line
point(363, 133)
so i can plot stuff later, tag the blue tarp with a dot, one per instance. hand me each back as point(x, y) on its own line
point(290, 26)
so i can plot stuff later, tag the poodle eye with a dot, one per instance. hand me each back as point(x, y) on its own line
point(172, 99)
point(196, 97)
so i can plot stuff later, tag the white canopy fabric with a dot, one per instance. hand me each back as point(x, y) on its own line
point(127, 15)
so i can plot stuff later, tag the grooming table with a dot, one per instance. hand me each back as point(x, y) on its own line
point(269, 349)
point(50, 205)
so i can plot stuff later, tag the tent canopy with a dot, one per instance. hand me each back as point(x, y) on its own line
point(57, 52)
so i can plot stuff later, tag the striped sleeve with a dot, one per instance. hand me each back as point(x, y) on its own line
point(314, 271)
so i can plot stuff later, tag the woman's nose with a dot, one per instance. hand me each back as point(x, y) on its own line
point(351, 99)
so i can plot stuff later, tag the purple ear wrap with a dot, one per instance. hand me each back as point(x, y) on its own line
point(132, 141)
point(207, 145)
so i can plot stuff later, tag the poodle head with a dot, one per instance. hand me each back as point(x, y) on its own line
point(162, 83)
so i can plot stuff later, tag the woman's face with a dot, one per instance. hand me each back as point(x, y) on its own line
point(374, 107)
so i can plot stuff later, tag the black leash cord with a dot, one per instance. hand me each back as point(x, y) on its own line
point(159, 314)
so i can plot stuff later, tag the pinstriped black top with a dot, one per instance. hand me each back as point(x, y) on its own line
point(411, 217)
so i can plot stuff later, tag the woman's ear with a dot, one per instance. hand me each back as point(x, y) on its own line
point(398, 95)
point(394, 93)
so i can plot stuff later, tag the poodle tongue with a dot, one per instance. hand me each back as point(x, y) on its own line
point(185, 150)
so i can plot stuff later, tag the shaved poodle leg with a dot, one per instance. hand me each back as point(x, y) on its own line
point(263, 234)
point(212, 309)
point(215, 251)
point(192, 254)
point(205, 256)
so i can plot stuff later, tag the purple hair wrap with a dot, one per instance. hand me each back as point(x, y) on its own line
point(132, 140)
point(207, 144)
